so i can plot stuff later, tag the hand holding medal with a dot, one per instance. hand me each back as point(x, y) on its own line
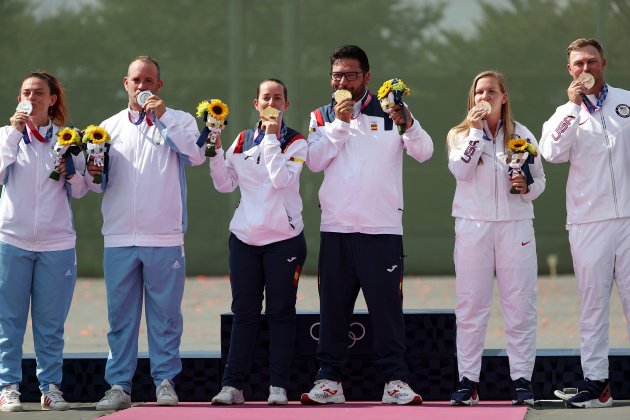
point(96, 143)
point(214, 113)
point(270, 120)
point(391, 94)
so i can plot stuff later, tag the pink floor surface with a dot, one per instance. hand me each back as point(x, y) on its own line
point(486, 410)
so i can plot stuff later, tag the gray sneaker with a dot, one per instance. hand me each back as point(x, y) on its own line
point(165, 394)
point(115, 399)
point(52, 399)
point(229, 395)
point(277, 395)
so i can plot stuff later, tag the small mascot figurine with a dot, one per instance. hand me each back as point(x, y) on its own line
point(96, 143)
point(214, 114)
point(68, 142)
point(390, 94)
point(522, 153)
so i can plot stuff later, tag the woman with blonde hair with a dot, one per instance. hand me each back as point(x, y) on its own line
point(494, 234)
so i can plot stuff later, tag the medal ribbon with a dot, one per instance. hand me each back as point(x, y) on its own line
point(261, 132)
point(141, 118)
point(602, 96)
point(35, 132)
point(365, 103)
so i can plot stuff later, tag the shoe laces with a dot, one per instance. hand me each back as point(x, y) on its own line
point(55, 395)
point(113, 393)
point(166, 389)
point(399, 384)
point(277, 390)
point(11, 395)
point(466, 385)
point(325, 382)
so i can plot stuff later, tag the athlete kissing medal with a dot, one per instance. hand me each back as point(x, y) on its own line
point(342, 94)
point(485, 107)
point(270, 112)
point(25, 107)
point(143, 97)
point(587, 80)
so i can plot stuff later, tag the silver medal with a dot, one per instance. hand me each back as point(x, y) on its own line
point(25, 107)
point(143, 97)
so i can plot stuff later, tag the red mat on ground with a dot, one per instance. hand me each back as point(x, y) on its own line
point(486, 410)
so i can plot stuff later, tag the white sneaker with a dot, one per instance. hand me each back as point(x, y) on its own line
point(10, 399)
point(324, 392)
point(165, 394)
point(398, 392)
point(115, 399)
point(229, 395)
point(277, 395)
point(52, 399)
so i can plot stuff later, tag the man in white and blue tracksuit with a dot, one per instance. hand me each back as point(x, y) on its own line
point(361, 152)
point(144, 220)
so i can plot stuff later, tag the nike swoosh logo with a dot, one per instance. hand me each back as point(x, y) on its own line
point(291, 259)
point(330, 391)
point(392, 269)
point(525, 243)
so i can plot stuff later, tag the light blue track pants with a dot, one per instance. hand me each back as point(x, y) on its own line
point(156, 274)
point(43, 281)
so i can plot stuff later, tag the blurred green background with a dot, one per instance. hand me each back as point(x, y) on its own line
point(222, 49)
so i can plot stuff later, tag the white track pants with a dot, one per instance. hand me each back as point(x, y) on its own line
point(509, 249)
point(601, 255)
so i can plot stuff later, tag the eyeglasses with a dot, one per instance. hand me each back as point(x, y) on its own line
point(349, 75)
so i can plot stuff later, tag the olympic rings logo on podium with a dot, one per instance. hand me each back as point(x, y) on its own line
point(356, 333)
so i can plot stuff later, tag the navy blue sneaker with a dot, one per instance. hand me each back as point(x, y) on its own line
point(522, 392)
point(466, 393)
point(591, 394)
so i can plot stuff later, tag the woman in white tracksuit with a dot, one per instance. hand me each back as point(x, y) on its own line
point(494, 233)
point(267, 246)
point(37, 240)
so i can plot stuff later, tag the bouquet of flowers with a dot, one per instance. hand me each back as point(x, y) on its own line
point(68, 142)
point(96, 143)
point(214, 113)
point(390, 94)
point(522, 153)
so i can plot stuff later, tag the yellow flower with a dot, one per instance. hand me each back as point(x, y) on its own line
point(384, 90)
point(68, 136)
point(95, 134)
point(393, 85)
point(215, 108)
point(517, 145)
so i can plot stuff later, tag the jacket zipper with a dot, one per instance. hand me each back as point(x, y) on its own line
point(610, 162)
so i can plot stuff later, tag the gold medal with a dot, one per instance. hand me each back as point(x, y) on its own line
point(342, 94)
point(269, 112)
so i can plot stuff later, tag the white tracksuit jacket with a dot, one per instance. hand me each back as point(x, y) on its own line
point(35, 212)
point(270, 209)
point(481, 188)
point(597, 146)
point(145, 190)
point(362, 190)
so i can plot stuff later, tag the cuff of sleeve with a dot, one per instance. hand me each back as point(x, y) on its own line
point(476, 133)
point(339, 131)
point(167, 118)
point(77, 178)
